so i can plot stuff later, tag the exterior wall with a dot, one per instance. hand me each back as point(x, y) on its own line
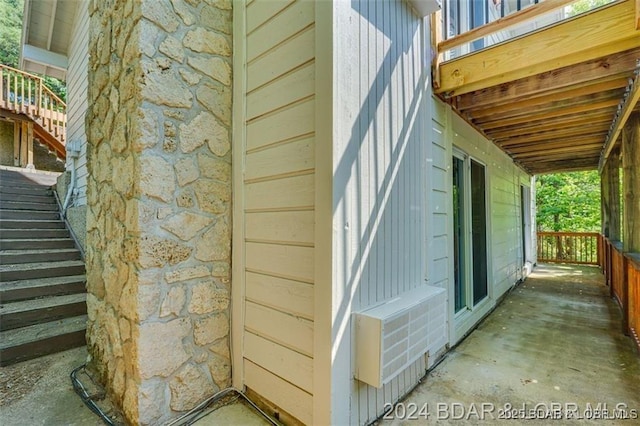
point(158, 195)
point(380, 159)
point(504, 230)
point(274, 144)
point(77, 99)
point(392, 201)
point(6, 143)
point(77, 73)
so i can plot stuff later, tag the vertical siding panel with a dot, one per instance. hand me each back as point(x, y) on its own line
point(77, 96)
point(390, 178)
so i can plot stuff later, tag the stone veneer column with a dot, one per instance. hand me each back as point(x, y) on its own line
point(159, 190)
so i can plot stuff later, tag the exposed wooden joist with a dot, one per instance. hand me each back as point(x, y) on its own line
point(589, 72)
point(503, 23)
point(600, 131)
point(517, 110)
point(561, 167)
point(544, 147)
point(541, 146)
point(564, 150)
point(589, 36)
point(561, 120)
point(583, 91)
point(531, 130)
point(628, 105)
point(538, 161)
point(577, 140)
point(492, 124)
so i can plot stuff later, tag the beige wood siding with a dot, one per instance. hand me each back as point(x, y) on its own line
point(77, 96)
point(276, 201)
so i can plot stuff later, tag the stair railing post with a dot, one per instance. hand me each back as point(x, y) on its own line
point(39, 112)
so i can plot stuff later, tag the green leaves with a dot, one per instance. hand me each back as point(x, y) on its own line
point(568, 202)
point(10, 31)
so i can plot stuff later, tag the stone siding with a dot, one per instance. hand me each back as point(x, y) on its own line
point(159, 194)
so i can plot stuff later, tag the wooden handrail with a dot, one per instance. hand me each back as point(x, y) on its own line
point(569, 247)
point(25, 93)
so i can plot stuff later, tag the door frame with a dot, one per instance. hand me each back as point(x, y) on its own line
point(463, 321)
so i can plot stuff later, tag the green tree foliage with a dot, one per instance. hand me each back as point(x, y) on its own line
point(582, 6)
point(568, 202)
point(10, 33)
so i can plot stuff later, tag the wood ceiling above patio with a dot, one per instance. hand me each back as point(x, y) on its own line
point(549, 98)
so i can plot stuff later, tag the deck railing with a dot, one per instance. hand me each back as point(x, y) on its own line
point(471, 25)
point(622, 275)
point(24, 93)
point(581, 248)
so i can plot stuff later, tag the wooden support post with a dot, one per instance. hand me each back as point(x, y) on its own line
point(436, 38)
point(30, 145)
point(23, 145)
point(631, 164)
point(604, 200)
point(17, 128)
point(631, 183)
point(614, 196)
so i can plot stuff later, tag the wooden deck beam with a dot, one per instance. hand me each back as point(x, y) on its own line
point(600, 70)
point(595, 34)
point(595, 71)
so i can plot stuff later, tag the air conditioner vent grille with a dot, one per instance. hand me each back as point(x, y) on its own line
point(393, 335)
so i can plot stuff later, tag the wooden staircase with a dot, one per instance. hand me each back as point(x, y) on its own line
point(24, 97)
point(42, 276)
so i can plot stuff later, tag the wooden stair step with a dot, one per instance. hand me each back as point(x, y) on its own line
point(27, 198)
point(26, 271)
point(43, 255)
point(25, 189)
point(36, 311)
point(42, 339)
point(31, 224)
point(35, 243)
point(17, 234)
point(14, 291)
point(6, 213)
point(19, 205)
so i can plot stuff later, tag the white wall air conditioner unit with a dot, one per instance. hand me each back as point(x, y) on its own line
point(393, 335)
point(424, 7)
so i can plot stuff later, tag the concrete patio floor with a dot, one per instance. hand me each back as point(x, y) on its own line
point(555, 344)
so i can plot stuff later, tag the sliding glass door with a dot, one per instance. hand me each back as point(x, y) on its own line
point(469, 232)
